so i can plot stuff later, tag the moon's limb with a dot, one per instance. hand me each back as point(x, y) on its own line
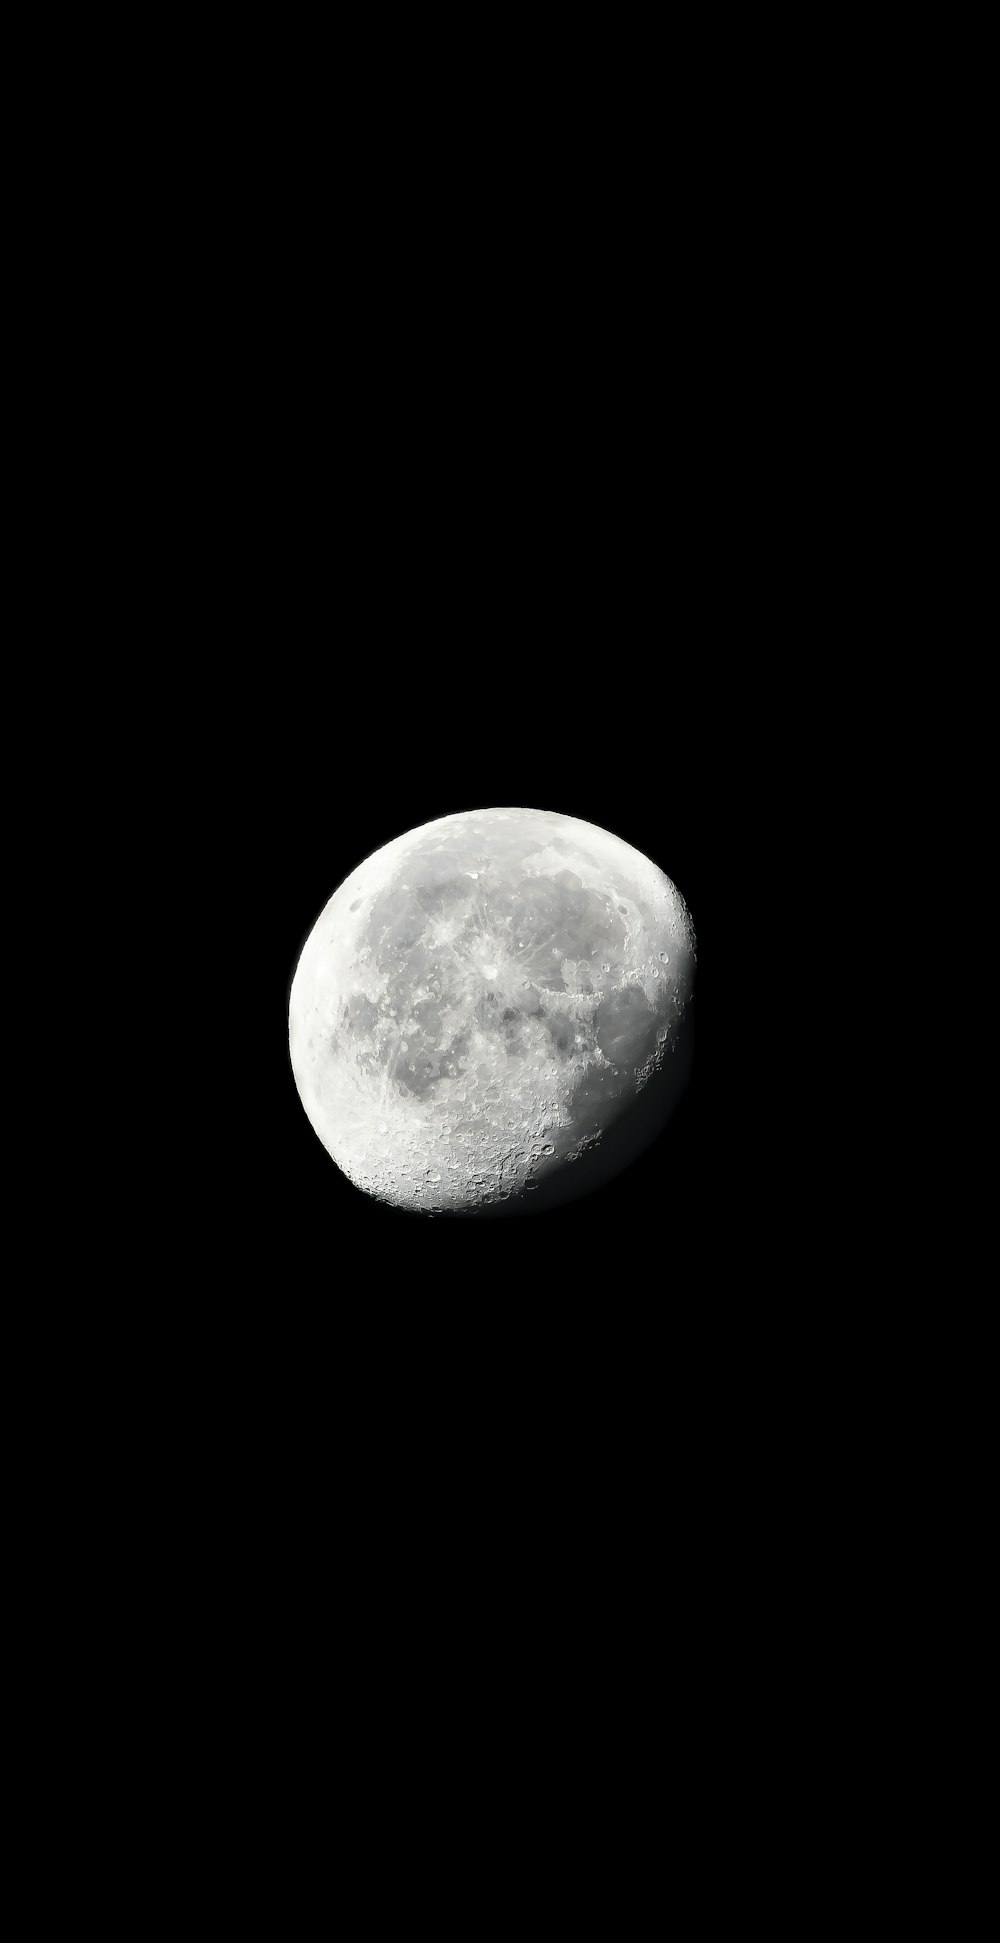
point(481, 1001)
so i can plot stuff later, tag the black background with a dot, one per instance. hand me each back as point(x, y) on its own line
point(554, 553)
point(428, 1396)
point(592, 722)
point(516, 514)
point(475, 500)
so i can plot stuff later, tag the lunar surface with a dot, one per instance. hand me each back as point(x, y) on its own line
point(486, 1015)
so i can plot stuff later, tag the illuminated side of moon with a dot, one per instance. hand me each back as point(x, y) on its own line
point(484, 1002)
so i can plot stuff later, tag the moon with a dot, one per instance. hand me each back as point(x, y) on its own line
point(487, 1014)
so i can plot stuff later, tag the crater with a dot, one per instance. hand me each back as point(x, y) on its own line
point(625, 1026)
point(562, 1032)
point(358, 1016)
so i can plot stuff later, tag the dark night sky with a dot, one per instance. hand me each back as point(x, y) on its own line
point(598, 732)
point(442, 594)
point(470, 500)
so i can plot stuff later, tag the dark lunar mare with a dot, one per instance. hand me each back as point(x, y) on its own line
point(541, 920)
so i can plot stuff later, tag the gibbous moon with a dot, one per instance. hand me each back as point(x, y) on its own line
point(487, 1016)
